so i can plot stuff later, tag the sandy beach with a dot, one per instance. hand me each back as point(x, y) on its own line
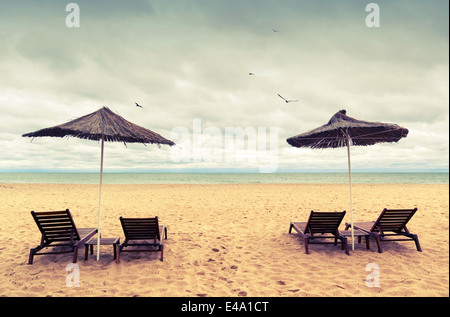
point(226, 241)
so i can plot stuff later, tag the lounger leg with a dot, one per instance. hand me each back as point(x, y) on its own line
point(416, 240)
point(306, 246)
point(367, 243)
point(86, 252)
point(345, 243)
point(75, 254)
point(30, 259)
point(162, 252)
point(377, 239)
point(290, 228)
point(33, 252)
point(117, 252)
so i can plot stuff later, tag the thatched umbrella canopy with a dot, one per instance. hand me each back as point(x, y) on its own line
point(342, 130)
point(106, 124)
point(341, 127)
point(103, 125)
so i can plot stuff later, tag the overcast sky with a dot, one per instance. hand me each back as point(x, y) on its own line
point(187, 62)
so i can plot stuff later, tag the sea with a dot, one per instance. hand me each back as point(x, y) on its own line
point(226, 178)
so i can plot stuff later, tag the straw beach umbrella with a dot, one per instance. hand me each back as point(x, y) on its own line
point(344, 131)
point(102, 125)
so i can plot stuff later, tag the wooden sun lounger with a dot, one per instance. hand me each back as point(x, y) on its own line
point(390, 223)
point(321, 225)
point(146, 230)
point(59, 231)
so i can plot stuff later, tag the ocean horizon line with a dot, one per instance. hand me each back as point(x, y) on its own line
point(225, 178)
point(227, 171)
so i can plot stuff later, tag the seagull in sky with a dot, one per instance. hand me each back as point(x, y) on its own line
point(251, 74)
point(137, 105)
point(287, 101)
point(276, 31)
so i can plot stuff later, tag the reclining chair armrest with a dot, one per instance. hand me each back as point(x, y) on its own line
point(86, 238)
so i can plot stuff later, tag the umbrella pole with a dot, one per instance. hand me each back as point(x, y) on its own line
point(100, 200)
point(351, 196)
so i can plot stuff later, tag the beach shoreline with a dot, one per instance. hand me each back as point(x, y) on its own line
point(227, 240)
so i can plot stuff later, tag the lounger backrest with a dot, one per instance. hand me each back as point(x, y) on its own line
point(140, 228)
point(56, 226)
point(393, 219)
point(324, 222)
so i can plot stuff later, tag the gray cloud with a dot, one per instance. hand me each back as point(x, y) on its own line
point(184, 60)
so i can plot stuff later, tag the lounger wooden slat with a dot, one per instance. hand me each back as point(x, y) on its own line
point(321, 225)
point(58, 230)
point(390, 223)
point(138, 230)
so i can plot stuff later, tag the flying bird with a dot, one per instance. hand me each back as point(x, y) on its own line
point(251, 74)
point(137, 105)
point(275, 30)
point(287, 101)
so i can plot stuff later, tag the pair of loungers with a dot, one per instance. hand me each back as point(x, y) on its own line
point(325, 225)
point(59, 231)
